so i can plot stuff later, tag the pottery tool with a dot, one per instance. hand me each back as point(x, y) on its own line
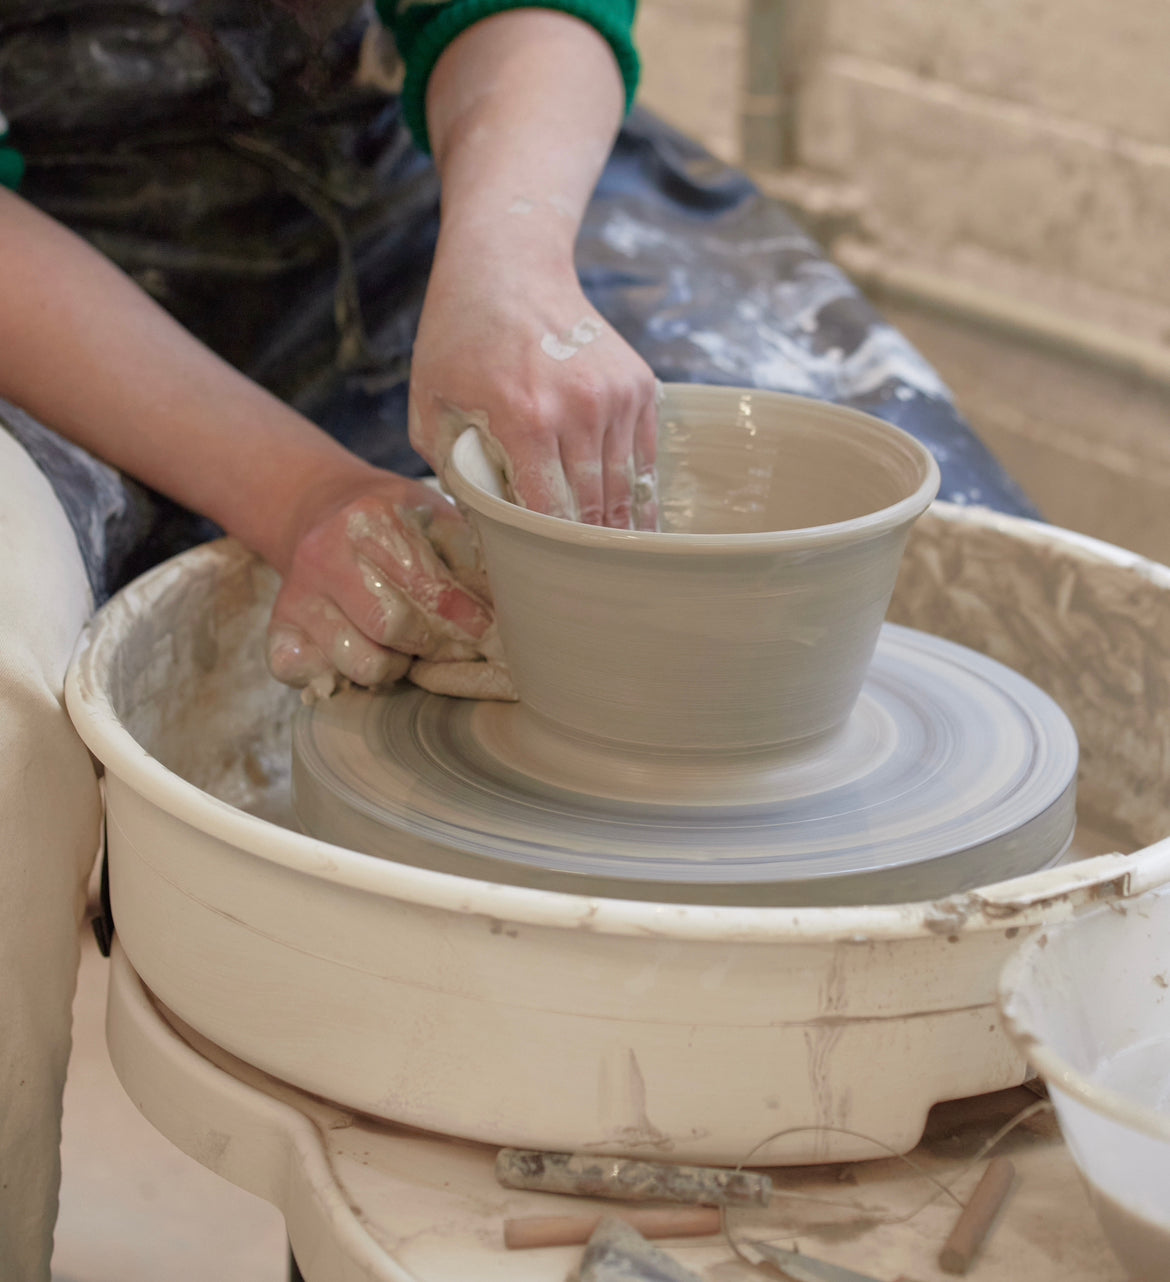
point(619, 1253)
point(975, 1221)
point(530, 1231)
point(629, 1180)
point(798, 1267)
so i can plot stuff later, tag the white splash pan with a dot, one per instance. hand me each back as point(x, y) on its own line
point(534, 1018)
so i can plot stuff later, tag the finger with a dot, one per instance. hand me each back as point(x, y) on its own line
point(292, 657)
point(353, 654)
point(434, 424)
point(618, 466)
point(346, 649)
point(531, 461)
point(582, 468)
point(381, 610)
point(392, 541)
point(385, 614)
point(645, 474)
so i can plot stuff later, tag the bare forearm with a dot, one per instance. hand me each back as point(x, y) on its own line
point(523, 109)
point(89, 354)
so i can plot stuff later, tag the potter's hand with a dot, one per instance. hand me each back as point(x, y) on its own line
point(381, 582)
point(522, 109)
point(377, 570)
point(566, 409)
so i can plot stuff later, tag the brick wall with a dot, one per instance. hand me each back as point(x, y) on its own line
point(1034, 132)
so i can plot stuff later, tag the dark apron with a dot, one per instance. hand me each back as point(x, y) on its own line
point(246, 163)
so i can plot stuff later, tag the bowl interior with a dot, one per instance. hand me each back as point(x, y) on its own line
point(1094, 996)
point(736, 461)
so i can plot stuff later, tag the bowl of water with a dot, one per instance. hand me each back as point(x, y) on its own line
point(1088, 1003)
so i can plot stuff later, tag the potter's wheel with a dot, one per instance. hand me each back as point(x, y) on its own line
point(564, 1022)
point(952, 772)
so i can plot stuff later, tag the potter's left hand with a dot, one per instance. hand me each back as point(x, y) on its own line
point(380, 581)
point(565, 407)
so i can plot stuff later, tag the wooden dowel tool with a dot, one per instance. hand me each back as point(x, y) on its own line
point(974, 1223)
point(568, 1230)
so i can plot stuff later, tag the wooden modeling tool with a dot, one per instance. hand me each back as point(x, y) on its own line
point(571, 1230)
point(975, 1221)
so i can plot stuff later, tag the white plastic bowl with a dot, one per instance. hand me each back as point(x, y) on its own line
point(1088, 1002)
point(556, 1021)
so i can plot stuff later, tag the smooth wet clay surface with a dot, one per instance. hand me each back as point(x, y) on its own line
point(748, 622)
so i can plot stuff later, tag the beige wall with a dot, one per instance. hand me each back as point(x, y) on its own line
point(1035, 133)
point(997, 173)
point(692, 67)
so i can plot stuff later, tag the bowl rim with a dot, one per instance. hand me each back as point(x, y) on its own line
point(1050, 1063)
point(868, 525)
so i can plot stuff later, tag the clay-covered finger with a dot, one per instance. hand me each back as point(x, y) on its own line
point(394, 543)
point(454, 540)
point(645, 493)
point(333, 636)
point(384, 613)
point(434, 424)
point(583, 475)
point(352, 653)
point(293, 658)
point(381, 609)
point(618, 473)
point(532, 465)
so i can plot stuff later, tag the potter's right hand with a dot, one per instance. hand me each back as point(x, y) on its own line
point(380, 575)
point(564, 406)
point(522, 109)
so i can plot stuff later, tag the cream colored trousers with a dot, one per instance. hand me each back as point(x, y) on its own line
point(50, 813)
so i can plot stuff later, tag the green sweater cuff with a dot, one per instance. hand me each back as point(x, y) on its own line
point(424, 30)
point(11, 166)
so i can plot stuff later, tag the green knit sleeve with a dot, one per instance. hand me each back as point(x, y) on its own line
point(424, 28)
point(11, 161)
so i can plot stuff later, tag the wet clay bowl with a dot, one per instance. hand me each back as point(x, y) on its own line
point(1088, 1003)
point(747, 624)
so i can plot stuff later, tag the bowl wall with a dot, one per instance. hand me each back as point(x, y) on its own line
point(748, 624)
